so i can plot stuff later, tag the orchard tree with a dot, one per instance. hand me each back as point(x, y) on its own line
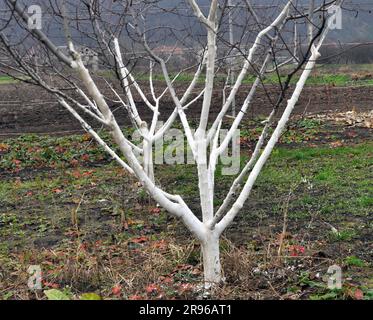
point(131, 38)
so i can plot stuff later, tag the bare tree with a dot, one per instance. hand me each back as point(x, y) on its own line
point(128, 43)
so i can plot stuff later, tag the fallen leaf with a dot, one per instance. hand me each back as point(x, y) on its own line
point(296, 250)
point(90, 296)
point(54, 294)
point(152, 288)
point(161, 244)
point(136, 297)
point(142, 239)
point(116, 290)
point(4, 147)
point(359, 294)
point(155, 210)
point(185, 287)
point(50, 284)
point(87, 173)
point(76, 174)
point(336, 144)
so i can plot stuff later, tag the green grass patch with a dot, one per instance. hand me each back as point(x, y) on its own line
point(354, 262)
point(324, 75)
point(6, 80)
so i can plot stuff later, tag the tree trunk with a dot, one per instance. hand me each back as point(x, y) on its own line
point(148, 160)
point(211, 261)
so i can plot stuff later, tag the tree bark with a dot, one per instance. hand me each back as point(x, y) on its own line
point(211, 260)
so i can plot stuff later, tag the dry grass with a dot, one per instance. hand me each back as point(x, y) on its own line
point(167, 269)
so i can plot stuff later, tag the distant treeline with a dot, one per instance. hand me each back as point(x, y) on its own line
point(354, 53)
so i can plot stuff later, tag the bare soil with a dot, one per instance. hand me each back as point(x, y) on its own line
point(27, 109)
point(120, 228)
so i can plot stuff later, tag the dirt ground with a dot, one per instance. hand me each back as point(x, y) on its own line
point(64, 206)
point(319, 174)
point(23, 109)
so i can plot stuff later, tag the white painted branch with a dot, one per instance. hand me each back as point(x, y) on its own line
point(194, 100)
point(252, 11)
point(179, 107)
point(238, 181)
point(139, 90)
point(237, 206)
point(198, 12)
point(93, 133)
point(90, 103)
point(210, 76)
point(224, 144)
point(124, 78)
point(155, 119)
point(178, 210)
point(151, 66)
point(295, 51)
point(40, 35)
point(93, 115)
point(279, 20)
point(183, 100)
point(310, 25)
point(194, 81)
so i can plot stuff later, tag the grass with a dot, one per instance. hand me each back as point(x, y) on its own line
point(118, 227)
point(326, 169)
point(6, 80)
point(9, 80)
point(354, 262)
point(333, 75)
point(339, 80)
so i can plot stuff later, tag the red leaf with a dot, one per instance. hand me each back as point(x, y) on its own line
point(60, 149)
point(74, 162)
point(161, 244)
point(296, 250)
point(136, 297)
point(116, 290)
point(50, 284)
point(76, 174)
point(358, 294)
point(155, 210)
point(87, 173)
point(4, 147)
point(140, 239)
point(166, 280)
point(185, 287)
point(152, 288)
point(336, 144)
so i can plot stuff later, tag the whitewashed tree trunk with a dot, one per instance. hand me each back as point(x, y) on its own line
point(209, 229)
point(211, 259)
